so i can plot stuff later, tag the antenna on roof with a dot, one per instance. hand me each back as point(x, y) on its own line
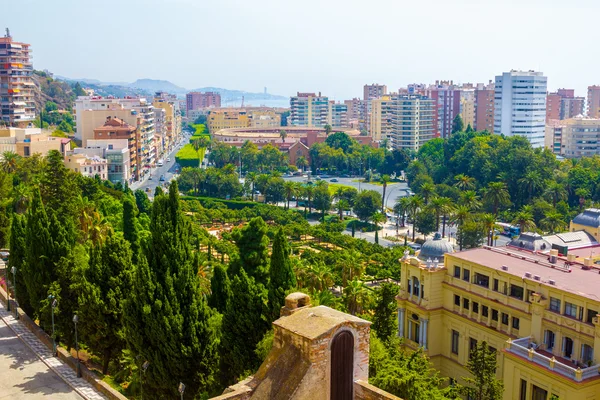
point(7, 33)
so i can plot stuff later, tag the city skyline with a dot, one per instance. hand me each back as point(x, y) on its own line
point(245, 46)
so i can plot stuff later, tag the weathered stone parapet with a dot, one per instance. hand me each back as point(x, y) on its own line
point(365, 391)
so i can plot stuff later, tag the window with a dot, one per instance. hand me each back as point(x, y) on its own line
point(570, 309)
point(409, 286)
point(516, 292)
point(567, 347)
point(472, 346)
point(494, 315)
point(495, 285)
point(549, 340)
point(416, 286)
point(457, 300)
point(554, 304)
point(587, 353)
point(484, 311)
point(523, 391)
point(504, 319)
point(482, 280)
point(466, 304)
point(539, 393)
point(457, 271)
point(466, 275)
point(515, 323)
point(476, 308)
point(454, 342)
point(590, 316)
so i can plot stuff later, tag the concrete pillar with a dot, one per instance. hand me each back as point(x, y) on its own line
point(421, 332)
point(537, 313)
point(596, 322)
point(401, 312)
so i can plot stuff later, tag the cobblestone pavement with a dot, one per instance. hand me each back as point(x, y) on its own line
point(32, 378)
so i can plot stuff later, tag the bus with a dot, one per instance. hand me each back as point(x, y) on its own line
point(508, 229)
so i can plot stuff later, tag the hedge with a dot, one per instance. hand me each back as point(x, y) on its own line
point(188, 157)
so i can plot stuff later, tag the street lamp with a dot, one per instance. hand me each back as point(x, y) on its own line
point(75, 321)
point(14, 272)
point(181, 389)
point(54, 304)
point(145, 366)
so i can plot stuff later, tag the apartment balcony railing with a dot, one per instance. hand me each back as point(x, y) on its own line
point(526, 348)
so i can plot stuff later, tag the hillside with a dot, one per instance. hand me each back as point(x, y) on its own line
point(56, 91)
point(153, 85)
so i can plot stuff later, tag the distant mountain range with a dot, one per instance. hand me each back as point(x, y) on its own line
point(147, 87)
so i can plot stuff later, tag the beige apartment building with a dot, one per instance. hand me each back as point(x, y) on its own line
point(553, 138)
point(231, 118)
point(29, 141)
point(593, 101)
point(380, 118)
point(467, 107)
point(88, 166)
point(581, 137)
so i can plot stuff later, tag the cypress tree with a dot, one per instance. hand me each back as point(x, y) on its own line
point(166, 318)
point(101, 288)
point(220, 288)
point(484, 384)
point(18, 251)
point(244, 325)
point(253, 245)
point(130, 230)
point(281, 274)
point(58, 186)
point(384, 318)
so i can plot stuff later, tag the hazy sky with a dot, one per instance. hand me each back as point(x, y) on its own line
point(332, 46)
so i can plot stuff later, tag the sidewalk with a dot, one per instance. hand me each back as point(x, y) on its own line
point(80, 386)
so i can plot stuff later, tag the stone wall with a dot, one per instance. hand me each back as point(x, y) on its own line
point(365, 391)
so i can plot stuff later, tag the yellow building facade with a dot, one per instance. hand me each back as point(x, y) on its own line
point(379, 117)
point(539, 312)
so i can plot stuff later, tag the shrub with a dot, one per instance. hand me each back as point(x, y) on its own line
point(189, 157)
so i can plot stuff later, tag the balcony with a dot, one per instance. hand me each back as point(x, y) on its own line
point(527, 349)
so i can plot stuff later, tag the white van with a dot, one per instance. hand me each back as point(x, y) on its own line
point(160, 163)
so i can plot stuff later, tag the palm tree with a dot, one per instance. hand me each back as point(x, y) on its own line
point(341, 206)
point(496, 194)
point(355, 295)
point(489, 224)
point(377, 218)
point(461, 214)
point(582, 193)
point(328, 129)
point(309, 192)
point(282, 135)
point(525, 221)
point(436, 207)
point(299, 191)
point(401, 208)
point(414, 207)
point(447, 208)
point(10, 161)
point(553, 222)
point(289, 188)
point(302, 163)
point(555, 191)
point(327, 299)
point(251, 177)
point(320, 276)
point(470, 199)
point(532, 182)
point(464, 182)
point(385, 179)
point(427, 191)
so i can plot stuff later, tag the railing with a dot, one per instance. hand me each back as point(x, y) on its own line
point(525, 348)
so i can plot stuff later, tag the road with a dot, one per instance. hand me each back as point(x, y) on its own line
point(24, 375)
point(168, 170)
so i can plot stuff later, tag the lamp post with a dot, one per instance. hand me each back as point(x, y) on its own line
point(75, 321)
point(7, 292)
point(14, 272)
point(54, 304)
point(181, 389)
point(145, 366)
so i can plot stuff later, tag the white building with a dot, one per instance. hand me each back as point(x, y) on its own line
point(520, 105)
point(86, 165)
point(114, 151)
point(309, 109)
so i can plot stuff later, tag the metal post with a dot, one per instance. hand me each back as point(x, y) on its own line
point(14, 271)
point(75, 320)
point(181, 389)
point(7, 292)
point(54, 303)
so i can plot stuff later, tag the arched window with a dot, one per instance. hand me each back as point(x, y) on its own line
point(342, 366)
point(416, 286)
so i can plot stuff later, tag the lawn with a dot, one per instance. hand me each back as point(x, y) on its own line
point(189, 157)
point(335, 186)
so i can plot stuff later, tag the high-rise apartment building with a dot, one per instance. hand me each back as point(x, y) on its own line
point(380, 117)
point(520, 105)
point(484, 107)
point(580, 137)
point(199, 100)
point(16, 83)
point(353, 109)
point(563, 104)
point(467, 107)
point(553, 139)
point(337, 115)
point(447, 105)
point(370, 92)
point(411, 121)
point(593, 101)
point(309, 109)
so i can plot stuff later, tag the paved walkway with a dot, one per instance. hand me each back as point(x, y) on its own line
point(34, 372)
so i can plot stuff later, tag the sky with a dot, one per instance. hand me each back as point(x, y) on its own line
point(331, 46)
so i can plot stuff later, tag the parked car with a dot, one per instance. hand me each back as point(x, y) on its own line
point(162, 178)
point(168, 159)
point(334, 180)
point(414, 246)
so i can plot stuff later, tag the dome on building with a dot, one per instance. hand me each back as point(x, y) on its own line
point(435, 248)
point(531, 241)
point(589, 217)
